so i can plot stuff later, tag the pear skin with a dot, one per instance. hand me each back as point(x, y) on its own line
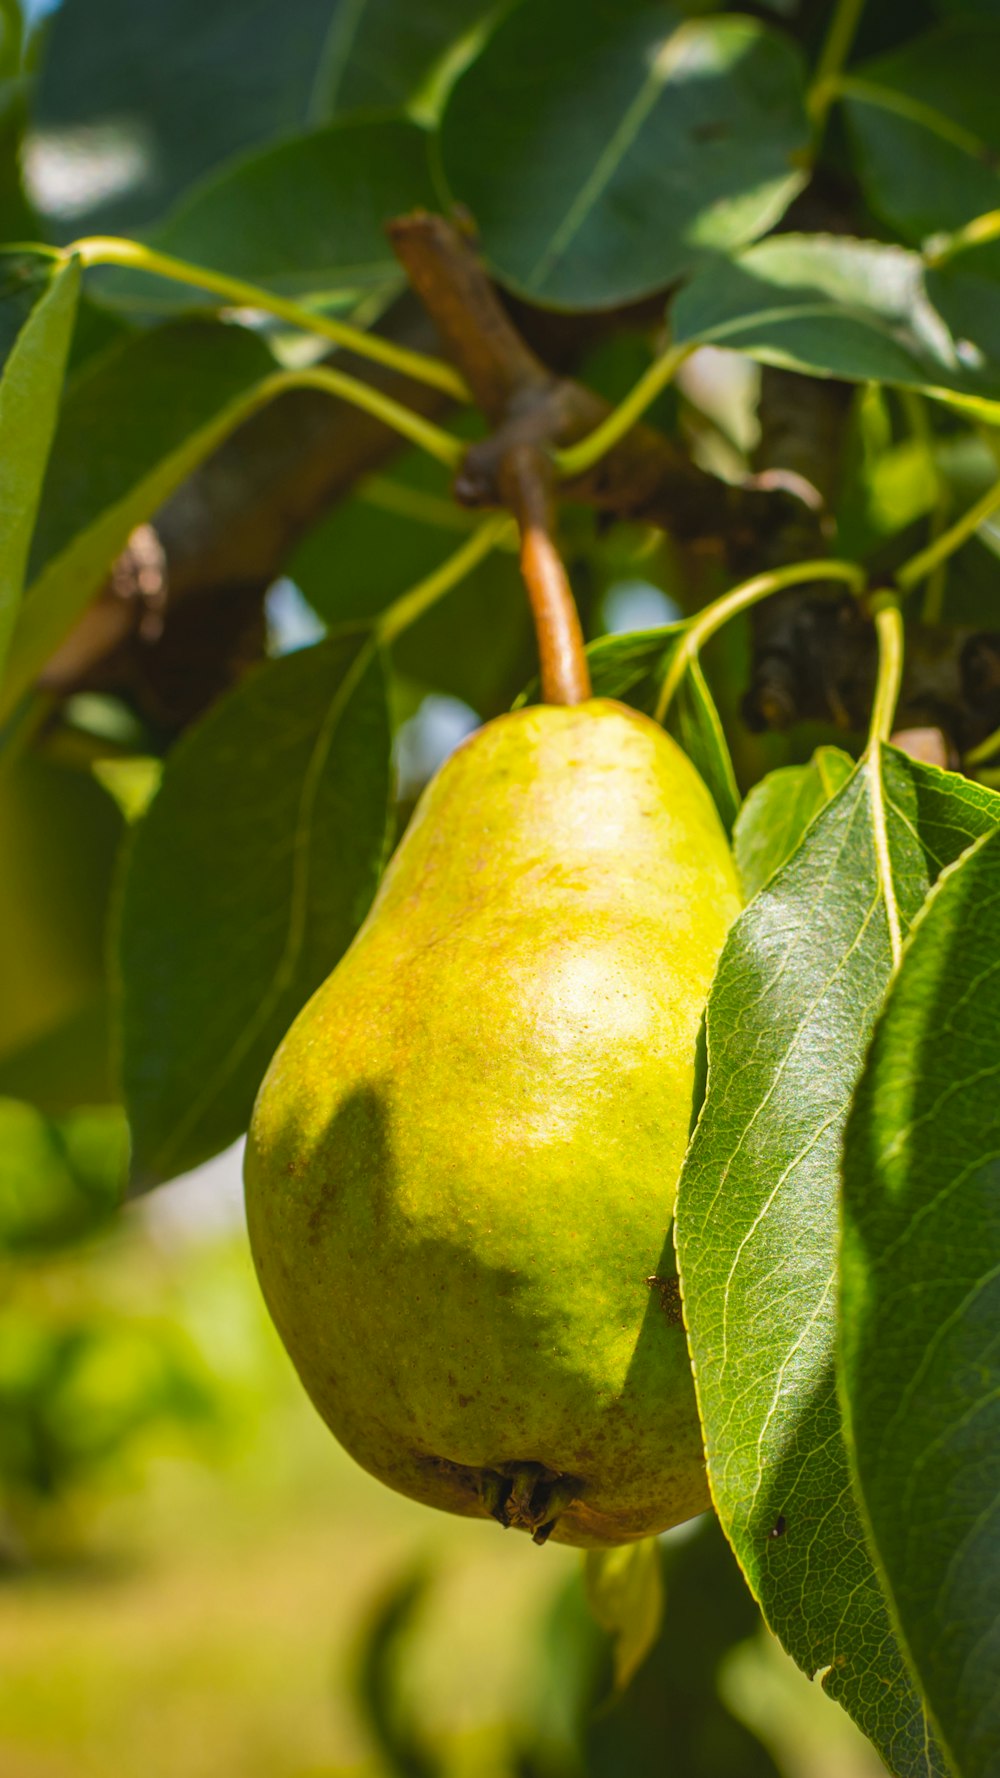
point(463, 1159)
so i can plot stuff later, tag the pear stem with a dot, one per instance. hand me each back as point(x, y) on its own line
point(526, 478)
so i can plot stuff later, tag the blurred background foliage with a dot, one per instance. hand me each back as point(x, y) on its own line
point(196, 1579)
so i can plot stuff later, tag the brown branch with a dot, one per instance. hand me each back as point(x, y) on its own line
point(646, 477)
point(526, 482)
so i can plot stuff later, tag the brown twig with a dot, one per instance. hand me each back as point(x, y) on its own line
point(526, 483)
point(646, 477)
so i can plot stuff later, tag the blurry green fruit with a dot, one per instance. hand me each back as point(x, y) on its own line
point(463, 1158)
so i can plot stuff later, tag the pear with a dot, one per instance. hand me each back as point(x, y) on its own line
point(462, 1162)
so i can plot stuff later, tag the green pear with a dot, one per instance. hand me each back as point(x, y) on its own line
point(462, 1162)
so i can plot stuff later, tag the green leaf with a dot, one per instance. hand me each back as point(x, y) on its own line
point(159, 93)
point(305, 218)
point(920, 1309)
point(780, 809)
point(390, 52)
point(29, 402)
point(625, 1594)
point(789, 1018)
point(394, 531)
point(246, 881)
point(632, 666)
point(838, 307)
point(60, 835)
point(59, 1177)
point(134, 423)
point(694, 721)
point(925, 129)
point(578, 123)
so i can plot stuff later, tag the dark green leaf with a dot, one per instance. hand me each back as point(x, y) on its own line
point(397, 529)
point(579, 123)
point(391, 52)
point(632, 666)
point(59, 839)
point(30, 388)
point(926, 130)
point(158, 93)
point(304, 218)
point(247, 879)
point(789, 1018)
point(779, 810)
point(59, 1177)
point(839, 307)
point(134, 423)
point(920, 1305)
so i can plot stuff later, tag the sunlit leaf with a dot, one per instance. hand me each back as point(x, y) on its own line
point(789, 1018)
point(920, 1305)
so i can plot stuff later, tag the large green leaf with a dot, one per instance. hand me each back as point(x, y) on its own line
point(30, 387)
point(789, 1018)
point(926, 130)
point(247, 879)
point(839, 307)
point(779, 810)
point(304, 218)
point(603, 150)
point(156, 93)
point(920, 1306)
point(134, 423)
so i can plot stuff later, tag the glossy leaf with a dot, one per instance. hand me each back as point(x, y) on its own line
point(920, 1306)
point(304, 218)
point(780, 809)
point(789, 1018)
point(134, 423)
point(30, 388)
point(247, 879)
point(926, 131)
point(157, 94)
point(579, 123)
point(845, 308)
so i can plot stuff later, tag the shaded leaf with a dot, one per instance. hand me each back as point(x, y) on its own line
point(926, 130)
point(30, 388)
point(791, 1011)
point(390, 52)
point(247, 878)
point(633, 665)
point(395, 530)
point(303, 218)
point(920, 1306)
point(59, 840)
point(159, 93)
point(625, 1594)
point(577, 123)
point(839, 307)
point(778, 811)
point(134, 423)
